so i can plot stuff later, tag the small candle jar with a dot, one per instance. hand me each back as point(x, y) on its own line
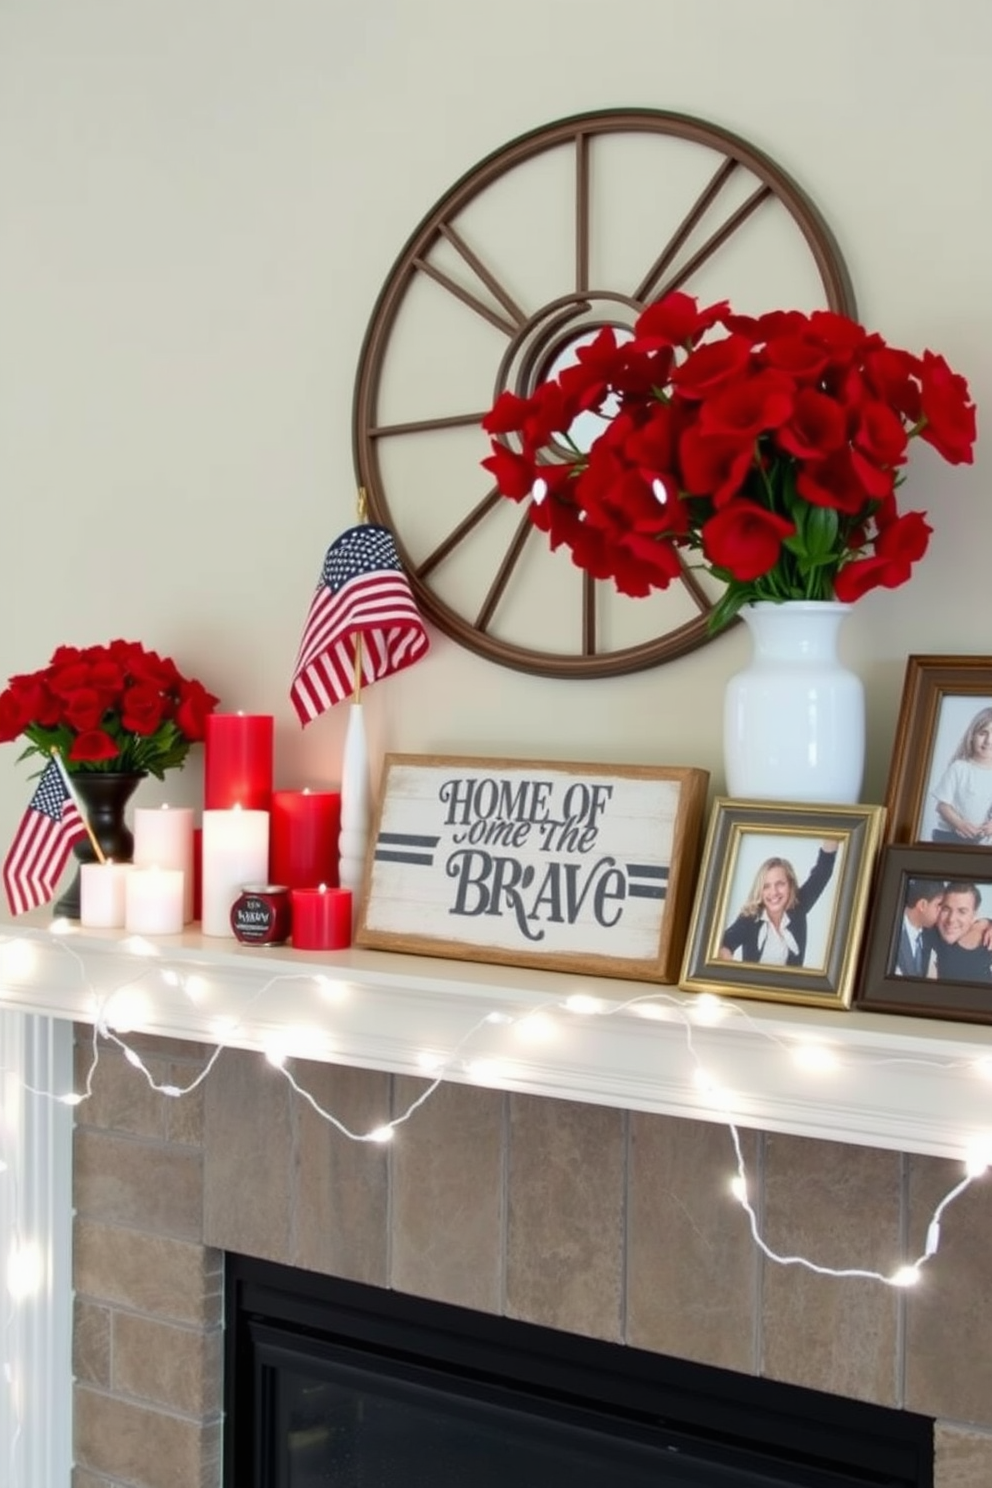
point(321, 919)
point(260, 915)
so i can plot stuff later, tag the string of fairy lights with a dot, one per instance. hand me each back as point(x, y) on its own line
point(114, 1013)
point(112, 1017)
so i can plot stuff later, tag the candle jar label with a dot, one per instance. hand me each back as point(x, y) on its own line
point(260, 916)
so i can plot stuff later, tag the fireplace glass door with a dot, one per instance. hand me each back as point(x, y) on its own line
point(330, 1385)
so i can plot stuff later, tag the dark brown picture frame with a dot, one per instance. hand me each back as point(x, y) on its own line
point(756, 830)
point(881, 988)
point(931, 686)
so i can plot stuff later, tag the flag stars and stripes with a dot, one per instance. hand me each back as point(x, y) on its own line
point(42, 843)
point(363, 593)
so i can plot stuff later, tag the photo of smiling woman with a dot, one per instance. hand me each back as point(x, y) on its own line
point(783, 919)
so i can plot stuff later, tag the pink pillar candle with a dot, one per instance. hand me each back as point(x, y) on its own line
point(237, 761)
point(304, 828)
point(321, 919)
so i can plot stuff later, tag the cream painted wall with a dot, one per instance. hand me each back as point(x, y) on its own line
point(199, 202)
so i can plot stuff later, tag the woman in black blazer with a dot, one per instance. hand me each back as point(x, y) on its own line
point(771, 928)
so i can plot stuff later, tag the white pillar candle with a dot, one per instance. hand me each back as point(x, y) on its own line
point(163, 838)
point(235, 853)
point(154, 901)
point(102, 894)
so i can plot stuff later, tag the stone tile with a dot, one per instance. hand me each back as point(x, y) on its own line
point(188, 1050)
point(141, 1447)
point(566, 1184)
point(178, 1368)
point(949, 1315)
point(83, 1479)
point(91, 1343)
point(838, 1206)
point(341, 1189)
point(184, 1114)
point(962, 1458)
point(448, 1195)
point(248, 1164)
point(692, 1267)
point(171, 1279)
point(121, 1100)
point(146, 1185)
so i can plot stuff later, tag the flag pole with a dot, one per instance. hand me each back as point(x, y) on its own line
point(355, 783)
point(101, 856)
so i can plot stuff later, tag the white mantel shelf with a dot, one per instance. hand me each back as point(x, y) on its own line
point(900, 1083)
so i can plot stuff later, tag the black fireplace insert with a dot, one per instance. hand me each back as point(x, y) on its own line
point(329, 1384)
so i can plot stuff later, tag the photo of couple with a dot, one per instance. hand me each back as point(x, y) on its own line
point(943, 935)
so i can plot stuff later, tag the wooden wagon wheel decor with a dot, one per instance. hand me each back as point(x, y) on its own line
point(571, 227)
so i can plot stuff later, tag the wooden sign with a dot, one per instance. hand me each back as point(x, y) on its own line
point(576, 867)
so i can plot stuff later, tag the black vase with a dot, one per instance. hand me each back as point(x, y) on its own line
point(103, 797)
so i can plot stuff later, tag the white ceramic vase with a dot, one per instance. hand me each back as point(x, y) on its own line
point(794, 719)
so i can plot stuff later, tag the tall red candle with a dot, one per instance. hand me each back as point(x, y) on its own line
point(321, 919)
point(237, 761)
point(304, 826)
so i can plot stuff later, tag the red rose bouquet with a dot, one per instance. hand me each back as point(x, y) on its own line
point(107, 708)
point(770, 446)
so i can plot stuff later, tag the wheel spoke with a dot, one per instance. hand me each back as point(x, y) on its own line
point(506, 326)
point(698, 594)
point(588, 615)
point(716, 240)
point(685, 227)
point(459, 533)
point(486, 275)
point(417, 426)
point(499, 583)
point(581, 213)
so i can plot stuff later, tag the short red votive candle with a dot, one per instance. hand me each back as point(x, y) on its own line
point(321, 919)
point(237, 761)
point(304, 827)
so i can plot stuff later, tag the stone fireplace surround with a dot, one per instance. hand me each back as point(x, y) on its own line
point(605, 1222)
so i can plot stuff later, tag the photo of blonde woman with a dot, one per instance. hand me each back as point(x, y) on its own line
point(775, 923)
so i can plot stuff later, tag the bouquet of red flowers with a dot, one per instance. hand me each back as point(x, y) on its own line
point(107, 708)
point(774, 450)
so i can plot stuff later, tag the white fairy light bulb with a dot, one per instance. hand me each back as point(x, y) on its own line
point(539, 490)
point(381, 1134)
point(583, 1004)
point(536, 1028)
point(816, 1058)
point(738, 1187)
point(24, 1271)
point(708, 1009)
point(906, 1276)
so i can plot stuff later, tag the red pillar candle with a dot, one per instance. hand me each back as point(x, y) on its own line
point(237, 761)
point(304, 829)
point(321, 919)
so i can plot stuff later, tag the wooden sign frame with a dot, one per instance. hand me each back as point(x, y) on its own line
point(571, 867)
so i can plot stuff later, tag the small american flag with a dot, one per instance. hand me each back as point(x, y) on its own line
point(42, 843)
point(363, 591)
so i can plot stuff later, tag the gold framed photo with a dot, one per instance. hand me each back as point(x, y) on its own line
point(570, 867)
point(929, 940)
point(940, 781)
point(782, 901)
